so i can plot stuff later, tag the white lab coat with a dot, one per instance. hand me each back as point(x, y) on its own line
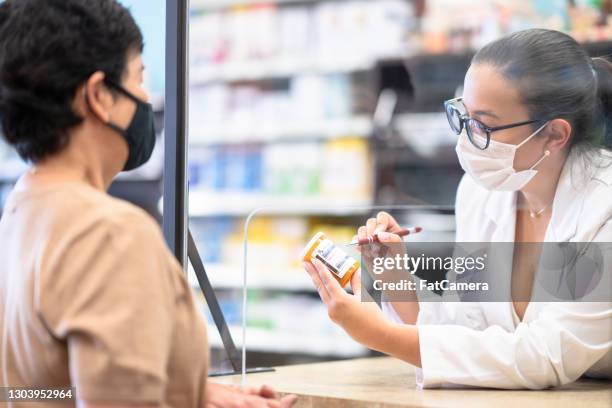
point(485, 344)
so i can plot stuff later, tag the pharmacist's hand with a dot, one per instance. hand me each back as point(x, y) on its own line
point(384, 225)
point(363, 321)
point(222, 396)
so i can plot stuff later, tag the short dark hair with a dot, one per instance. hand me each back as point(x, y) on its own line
point(556, 78)
point(47, 49)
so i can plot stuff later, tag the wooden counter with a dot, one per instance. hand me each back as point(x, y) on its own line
point(384, 382)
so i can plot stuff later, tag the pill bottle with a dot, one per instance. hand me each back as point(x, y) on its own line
point(341, 265)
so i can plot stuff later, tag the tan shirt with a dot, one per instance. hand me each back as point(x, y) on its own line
point(90, 296)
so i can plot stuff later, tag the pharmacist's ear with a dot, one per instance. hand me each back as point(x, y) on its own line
point(558, 132)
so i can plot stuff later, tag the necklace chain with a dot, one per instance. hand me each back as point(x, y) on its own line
point(536, 214)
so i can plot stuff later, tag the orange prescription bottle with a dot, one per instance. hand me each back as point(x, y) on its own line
point(341, 265)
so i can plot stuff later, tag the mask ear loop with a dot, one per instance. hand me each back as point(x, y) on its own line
point(546, 154)
point(533, 135)
point(110, 124)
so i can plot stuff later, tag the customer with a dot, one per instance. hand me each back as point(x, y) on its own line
point(90, 296)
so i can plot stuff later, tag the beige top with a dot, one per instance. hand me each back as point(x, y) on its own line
point(91, 297)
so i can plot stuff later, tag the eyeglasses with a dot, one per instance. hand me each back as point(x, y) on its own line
point(478, 133)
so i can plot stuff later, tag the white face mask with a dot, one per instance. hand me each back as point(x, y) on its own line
point(493, 168)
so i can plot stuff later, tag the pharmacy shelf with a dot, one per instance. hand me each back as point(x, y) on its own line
point(272, 132)
point(277, 68)
point(208, 204)
point(222, 4)
point(286, 342)
point(426, 133)
point(229, 276)
point(288, 67)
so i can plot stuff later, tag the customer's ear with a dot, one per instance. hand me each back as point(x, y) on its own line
point(558, 132)
point(97, 97)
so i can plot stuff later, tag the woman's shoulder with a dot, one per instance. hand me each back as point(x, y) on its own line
point(77, 210)
point(82, 229)
point(588, 195)
point(103, 207)
point(602, 177)
point(598, 198)
point(597, 181)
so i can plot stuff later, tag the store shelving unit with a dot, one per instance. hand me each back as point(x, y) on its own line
point(284, 342)
point(279, 131)
point(280, 68)
point(242, 204)
point(412, 158)
point(225, 4)
point(229, 276)
point(274, 76)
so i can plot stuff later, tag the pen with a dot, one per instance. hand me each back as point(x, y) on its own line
point(374, 238)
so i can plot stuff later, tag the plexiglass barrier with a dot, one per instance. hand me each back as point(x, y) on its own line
point(424, 265)
point(274, 240)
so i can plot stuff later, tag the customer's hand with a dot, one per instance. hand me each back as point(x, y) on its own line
point(227, 396)
point(363, 321)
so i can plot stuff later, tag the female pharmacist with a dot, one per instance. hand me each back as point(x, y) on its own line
point(90, 296)
point(536, 112)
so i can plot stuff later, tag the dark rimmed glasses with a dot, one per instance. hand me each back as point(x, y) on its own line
point(478, 133)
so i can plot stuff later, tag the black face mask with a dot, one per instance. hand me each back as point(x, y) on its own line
point(140, 134)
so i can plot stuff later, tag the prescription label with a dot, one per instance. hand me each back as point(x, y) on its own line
point(334, 258)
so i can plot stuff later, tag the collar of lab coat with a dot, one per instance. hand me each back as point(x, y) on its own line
point(567, 206)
